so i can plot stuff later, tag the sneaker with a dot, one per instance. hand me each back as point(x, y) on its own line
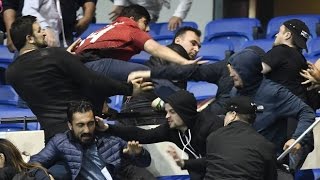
point(158, 104)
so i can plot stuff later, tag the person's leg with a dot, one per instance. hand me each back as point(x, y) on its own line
point(116, 69)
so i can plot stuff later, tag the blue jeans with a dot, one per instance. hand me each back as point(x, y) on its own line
point(116, 69)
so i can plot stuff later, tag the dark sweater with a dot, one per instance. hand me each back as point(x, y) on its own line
point(48, 79)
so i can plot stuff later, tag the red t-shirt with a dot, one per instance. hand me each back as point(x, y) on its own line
point(120, 40)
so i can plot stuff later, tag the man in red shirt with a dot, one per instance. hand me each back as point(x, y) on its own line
point(107, 50)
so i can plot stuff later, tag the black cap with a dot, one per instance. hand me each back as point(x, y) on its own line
point(300, 32)
point(241, 105)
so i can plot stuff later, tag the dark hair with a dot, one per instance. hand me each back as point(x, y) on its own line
point(78, 106)
point(13, 157)
point(135, 11)
point(20, 28)
point(183, 30)
point(250, 118)
point(7, 173)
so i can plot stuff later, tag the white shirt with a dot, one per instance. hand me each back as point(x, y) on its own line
point(154, 6)
point(46, 12)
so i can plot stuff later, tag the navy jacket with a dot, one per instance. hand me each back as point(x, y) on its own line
point(63, 146)
point(277, 101)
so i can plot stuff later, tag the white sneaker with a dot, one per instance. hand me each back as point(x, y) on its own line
point(158, 104)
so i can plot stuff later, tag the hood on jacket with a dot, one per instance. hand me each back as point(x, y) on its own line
point(247, 63)
point(185, 105)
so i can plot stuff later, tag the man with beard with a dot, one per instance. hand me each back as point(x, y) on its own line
point(185, 127)
point(89, 154)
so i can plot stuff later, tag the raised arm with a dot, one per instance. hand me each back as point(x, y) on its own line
point(89, 8)
point(144, 136)
point(163, 52)
point(9, 15)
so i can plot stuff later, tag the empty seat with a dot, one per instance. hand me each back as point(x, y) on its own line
point(234, 30)
point(159, 31)
point(92, 28)
point(313, 47)
point(274, 24)
point(215, 51)
point(265, 44)
point(116, 102)
point(202, 90)
point(6, 57)
point(7, 95)
point(140, 58)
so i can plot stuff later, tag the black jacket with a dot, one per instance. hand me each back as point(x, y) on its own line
point(200, 125)
point(237, 151)
point(216, 73)
point(49, 79)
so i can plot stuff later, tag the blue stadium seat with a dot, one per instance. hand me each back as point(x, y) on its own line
point(92, 28)
point(11, 127)
point(215, 51)
point(116, 102)
point(235, 30)
point(159, 31)
point(140, 58)
point(202, 90)
point(265, 44)
point(6, 57)
point(14, 112)
point(313, 48)
point(7, 95)
point(311, 21)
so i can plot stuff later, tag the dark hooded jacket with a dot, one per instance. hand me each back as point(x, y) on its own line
point(277, 101)
point(200, 125)
point(140, 104)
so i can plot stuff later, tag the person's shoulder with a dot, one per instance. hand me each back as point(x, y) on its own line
point(59, 138)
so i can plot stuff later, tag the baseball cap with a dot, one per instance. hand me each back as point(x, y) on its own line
point(300, 32)
point(241, 105)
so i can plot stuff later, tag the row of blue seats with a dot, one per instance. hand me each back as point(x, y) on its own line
point(216, 51)
point(236, 30)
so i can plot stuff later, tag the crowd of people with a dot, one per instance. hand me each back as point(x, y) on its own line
point(237, 136)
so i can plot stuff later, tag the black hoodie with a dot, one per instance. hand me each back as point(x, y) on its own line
point(200, 125)
point(249, 70)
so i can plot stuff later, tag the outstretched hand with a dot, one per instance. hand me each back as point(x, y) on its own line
point(139, 85)
point(196, 61)
point(173, 153)
point(133, 148)
point(312, 75)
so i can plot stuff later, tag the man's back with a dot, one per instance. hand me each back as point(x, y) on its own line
point(237, 151)
point(120, 40)
point(286, 63)
point(279, 102)
point(39, 78)
point(48, 79)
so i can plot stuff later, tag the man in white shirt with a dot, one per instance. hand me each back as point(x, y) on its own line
point(154, 7)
